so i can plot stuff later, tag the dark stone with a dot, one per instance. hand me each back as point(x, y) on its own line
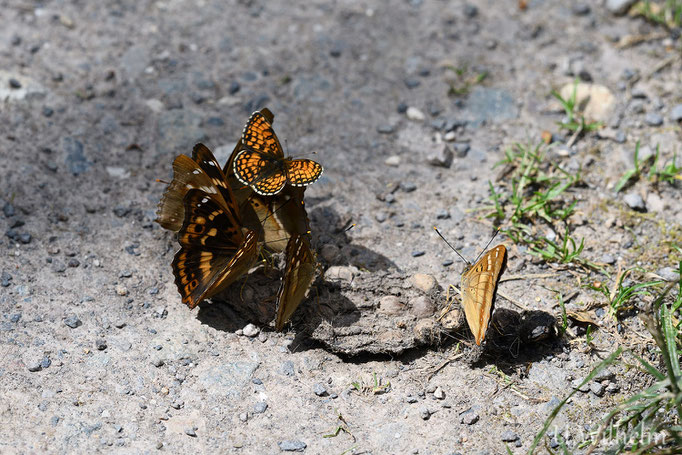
point(416, 254)
point(100, 344)
point(5, 278)
point(234, 87)
point(25, 238)
point(385, 129)
point(48, 111)
point(412, 83)
point(73, 321)
point(402, 108)
point(470, 11)
point(73, 262)
point(14, 83)
point(121, 211)
point(408, 187)
point(8, 210)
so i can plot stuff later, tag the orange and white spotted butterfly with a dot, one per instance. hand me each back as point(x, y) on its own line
point(261, 163)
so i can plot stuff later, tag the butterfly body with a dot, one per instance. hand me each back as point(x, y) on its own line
point(478, 290)
point(261, 164)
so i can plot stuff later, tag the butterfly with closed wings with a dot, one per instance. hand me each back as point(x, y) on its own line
point(478, 286)
point(215, 247)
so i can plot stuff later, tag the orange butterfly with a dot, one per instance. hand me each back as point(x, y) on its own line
point(479, 283)
point(478, 286)
point(261, 163)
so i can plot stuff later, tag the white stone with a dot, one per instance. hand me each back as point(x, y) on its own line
point(415, 114)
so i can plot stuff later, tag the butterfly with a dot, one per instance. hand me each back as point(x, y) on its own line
point(479, 283)
point(285, 227)
point(215, 247)
point(261, 164)
point(298, 276)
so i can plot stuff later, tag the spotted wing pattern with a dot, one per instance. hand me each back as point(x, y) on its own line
point(261, 164)
point(303, 172)
point(215, 252)
point(478, 290)
point(298, 276)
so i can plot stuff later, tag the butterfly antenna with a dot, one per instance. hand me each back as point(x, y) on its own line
point(452, 247)
point(162, 181)
point(487, 244)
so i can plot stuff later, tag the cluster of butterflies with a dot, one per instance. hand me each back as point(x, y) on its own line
point(226, 216)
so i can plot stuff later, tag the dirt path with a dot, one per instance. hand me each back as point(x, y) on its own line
point(99, 354)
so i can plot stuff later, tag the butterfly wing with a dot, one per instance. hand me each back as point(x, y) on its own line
point(214, 250)
point(298, 277)
point(261, 163)
point(201, 172)
point(478, 290)
point(303, 172)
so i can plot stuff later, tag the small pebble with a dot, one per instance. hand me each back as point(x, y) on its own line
point(380, 216)
point(417, 253)
point(292, 446)
point(447, 263)
point(393, 160)
point(424, 413)
point(73, 262)
point(470, 11)
point(260, 407)
point(402, 108)
point(5, 278)
point(100, 344)
point(121, 290)
point(250, 330)
point(422, 306)
point(509, 436)
point(48, 111)
point(191, 432)
point(441, 157)
point(411, 82)
point(654, 119)
point(438, 393)
point(288, 368)
point(597, 389)
point(243, 417)
point(580, 9)
point(424, 282)
point(668, 274)
point(634, 201)
point(15, 318)
point(442, 214)
point(469, 418)
point(385, 129)
point(408, 187)
point(14, 83)
point(73, 321)
point(415, 114)
point(8, 210)
point(320, 390)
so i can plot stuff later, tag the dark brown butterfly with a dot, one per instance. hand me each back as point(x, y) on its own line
point(261, 164)
point(215, 247)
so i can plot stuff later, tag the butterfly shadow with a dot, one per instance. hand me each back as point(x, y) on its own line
point(519, 338)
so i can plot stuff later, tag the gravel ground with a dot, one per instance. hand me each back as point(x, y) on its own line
point(99, 354)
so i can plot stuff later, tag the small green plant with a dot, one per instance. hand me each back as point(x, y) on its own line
point(647, 422)
point(464, 80)
point(619, 298)
point(537, 196)
point(575, 121)
point(376, 389)
point(668, 14)
point(668, 173)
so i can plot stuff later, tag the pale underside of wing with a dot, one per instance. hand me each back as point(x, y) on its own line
point(478, 290)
